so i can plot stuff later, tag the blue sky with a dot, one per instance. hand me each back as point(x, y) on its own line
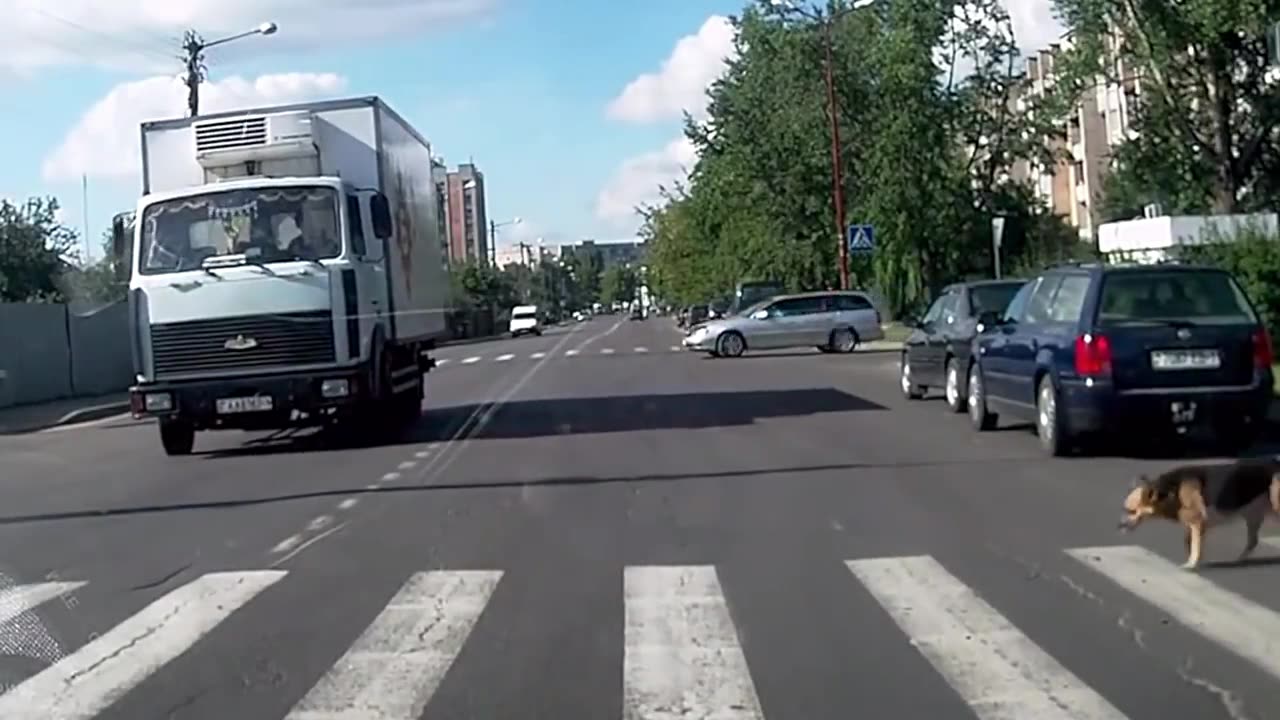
point(523, 87)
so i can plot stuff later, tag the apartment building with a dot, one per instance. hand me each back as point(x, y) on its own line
point(440, 176)
point(1071, 186)
point(468, 215)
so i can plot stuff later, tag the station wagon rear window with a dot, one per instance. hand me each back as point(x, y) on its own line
point(1162, 296)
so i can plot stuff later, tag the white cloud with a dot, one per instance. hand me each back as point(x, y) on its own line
point(147, 33)
point(681, 83)
point(639, 179)
point(1034, 25)
point(104, 143)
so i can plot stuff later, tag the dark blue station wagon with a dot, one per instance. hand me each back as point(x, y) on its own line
point(1146, 349)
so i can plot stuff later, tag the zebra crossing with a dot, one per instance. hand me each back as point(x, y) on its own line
point(509, 357)
point(682, 652)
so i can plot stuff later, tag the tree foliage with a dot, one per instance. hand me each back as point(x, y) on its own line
point(35, 250)
point(1207, 119)
point(618, 284)
point(923, 94)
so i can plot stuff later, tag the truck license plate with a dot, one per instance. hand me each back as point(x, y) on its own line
point(231, 406)
point(1185, 360)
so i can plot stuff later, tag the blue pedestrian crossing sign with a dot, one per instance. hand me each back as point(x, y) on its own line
point(862, 238)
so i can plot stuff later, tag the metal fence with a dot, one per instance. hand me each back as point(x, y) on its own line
point(53, 351)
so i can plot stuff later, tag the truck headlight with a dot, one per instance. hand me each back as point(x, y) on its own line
point(335, 388)
point(157, 402)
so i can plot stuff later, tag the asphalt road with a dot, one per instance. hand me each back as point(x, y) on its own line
point(624, 531)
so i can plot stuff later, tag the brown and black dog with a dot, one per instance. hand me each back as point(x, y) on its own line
point(1203, 496)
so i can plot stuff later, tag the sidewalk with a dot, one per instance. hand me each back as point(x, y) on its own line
point(40, 416)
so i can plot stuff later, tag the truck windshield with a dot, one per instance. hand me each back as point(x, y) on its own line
point(267, 224)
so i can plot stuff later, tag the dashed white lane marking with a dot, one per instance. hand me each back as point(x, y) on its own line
point(1238, 624)
point(407, 465)
point(396, 664)
point(319, 523)
point(83, 684)
point(537, 356)
point(571, 353)
point(287, 544)
point(504, 358)
point(642, 349)
point(442, 361)
point(422, 454)
point(681, 653)
point(675, 348)
point(1000, 673)
point(472, 359)
point(607, 351)
point(294, 553)
point(391, 477)
point(16, 600)
point(348, 503)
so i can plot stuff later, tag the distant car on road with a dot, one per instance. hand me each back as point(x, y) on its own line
point(637, 312)
point(1135, 349)
point(936, 353)
point(829, 321)
point(525, 321)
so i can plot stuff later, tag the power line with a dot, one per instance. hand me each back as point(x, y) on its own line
point(118, 40)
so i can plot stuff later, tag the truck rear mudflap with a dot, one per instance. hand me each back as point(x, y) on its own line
point(252, 403)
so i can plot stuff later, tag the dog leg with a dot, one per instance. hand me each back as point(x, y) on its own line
point(1275, 493)
point(1195, 540)
point(1252, 525)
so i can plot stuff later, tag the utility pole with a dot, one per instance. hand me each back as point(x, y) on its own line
point(194, 46)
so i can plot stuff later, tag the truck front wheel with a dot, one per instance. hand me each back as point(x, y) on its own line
point(177, 437)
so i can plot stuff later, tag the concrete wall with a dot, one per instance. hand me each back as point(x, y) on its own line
point(48, 352)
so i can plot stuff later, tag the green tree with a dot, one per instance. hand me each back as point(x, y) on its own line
point(35, 250)
point(618, 284)
point(96, 283)
point(924, 93)
point(1208, 115)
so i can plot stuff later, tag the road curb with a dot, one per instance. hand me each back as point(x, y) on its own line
point(79, 415)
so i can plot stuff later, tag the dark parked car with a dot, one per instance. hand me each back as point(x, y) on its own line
point(936, 354)
point(1131, 350)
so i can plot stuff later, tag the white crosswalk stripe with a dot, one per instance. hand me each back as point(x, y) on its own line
point(19, 599)
point(394, 668)
point(682, 653)
point(1236, 623)
point(681, 650)
point(999, 672)
point(84, 683)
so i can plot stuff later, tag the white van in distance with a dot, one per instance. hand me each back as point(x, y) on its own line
point(524, 319)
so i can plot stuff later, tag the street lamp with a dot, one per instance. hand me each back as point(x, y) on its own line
point(493, 235)
point(827, 21)
point(194, 46)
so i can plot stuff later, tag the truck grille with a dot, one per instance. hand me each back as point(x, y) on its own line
point(238, 343)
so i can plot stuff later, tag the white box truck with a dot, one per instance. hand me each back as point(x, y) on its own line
point(285, 269)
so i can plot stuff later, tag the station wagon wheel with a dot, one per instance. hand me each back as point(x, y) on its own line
point(910, 390)
point(1053, 437)
point(956, 397)
point(731, 344)
point(981, 418)
point(844, 340)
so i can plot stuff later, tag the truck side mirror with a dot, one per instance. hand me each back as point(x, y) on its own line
point(120, 246)
point(380, 216)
